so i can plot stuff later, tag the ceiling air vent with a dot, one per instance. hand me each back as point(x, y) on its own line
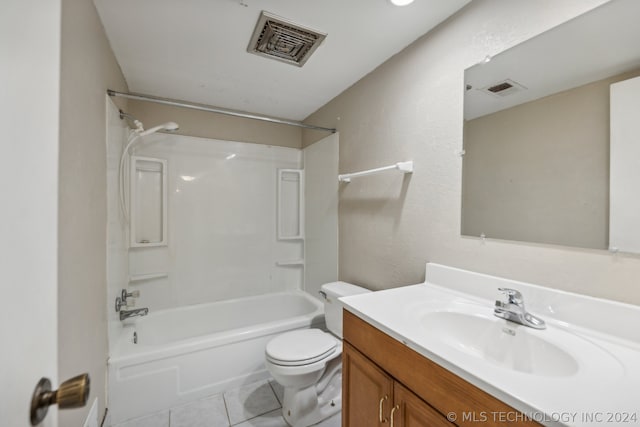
point(277, 38)
point(504, 88)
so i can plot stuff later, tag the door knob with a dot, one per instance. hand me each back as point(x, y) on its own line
point(72, 393)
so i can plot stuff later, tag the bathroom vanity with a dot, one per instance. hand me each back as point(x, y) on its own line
point(434, 354)
point(384, 380)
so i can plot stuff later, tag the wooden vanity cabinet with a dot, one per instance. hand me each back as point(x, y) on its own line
point(381, 376)
point(370, 390)
point(370, 395)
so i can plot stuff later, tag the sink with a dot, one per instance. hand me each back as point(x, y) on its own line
point(514, 347)
point(587, 359)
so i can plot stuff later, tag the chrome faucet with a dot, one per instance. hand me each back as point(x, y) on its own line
point(125, 314)
point(514, 311)
point(121, 303)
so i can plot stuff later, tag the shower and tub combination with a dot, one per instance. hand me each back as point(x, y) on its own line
point(183, 354)
point(217, 239)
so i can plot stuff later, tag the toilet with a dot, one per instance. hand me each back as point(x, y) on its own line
point(308, 364)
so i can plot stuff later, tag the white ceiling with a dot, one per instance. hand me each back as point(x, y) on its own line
point(196, 50)
point(596, 45)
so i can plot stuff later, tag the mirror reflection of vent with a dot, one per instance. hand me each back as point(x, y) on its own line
point(504, 88)
point(279, 39)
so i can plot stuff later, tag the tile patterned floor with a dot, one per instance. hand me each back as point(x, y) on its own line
point(250, 401)
point(254, 405)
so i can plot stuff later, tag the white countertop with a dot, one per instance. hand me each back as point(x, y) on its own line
point(599, 335)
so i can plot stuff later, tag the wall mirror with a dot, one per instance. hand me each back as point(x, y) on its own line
point(536, 161)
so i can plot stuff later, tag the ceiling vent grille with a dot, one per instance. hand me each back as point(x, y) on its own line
point(504, 88)
point(277, 38)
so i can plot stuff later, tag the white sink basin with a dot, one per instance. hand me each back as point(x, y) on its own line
point(586, 362)
point(507, 345)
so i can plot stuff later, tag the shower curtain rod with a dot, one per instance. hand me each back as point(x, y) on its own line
point(212, 109)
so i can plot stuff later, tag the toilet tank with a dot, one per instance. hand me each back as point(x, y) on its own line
point(332, 307)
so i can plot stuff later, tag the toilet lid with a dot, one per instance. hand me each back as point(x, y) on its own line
point(300, 347)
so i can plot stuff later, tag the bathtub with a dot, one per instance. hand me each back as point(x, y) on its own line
point(187, 353)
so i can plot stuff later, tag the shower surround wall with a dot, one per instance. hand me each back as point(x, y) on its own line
point(221, 223)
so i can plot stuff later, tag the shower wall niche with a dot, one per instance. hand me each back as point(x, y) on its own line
point(148, 206)
point(290, 204)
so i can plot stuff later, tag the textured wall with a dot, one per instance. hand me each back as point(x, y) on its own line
point(217, 126)
point(88, 68)
point(411, 108)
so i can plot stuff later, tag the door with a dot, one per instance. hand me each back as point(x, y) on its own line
point(411, 411)
point(367, 391)
point(29, 105)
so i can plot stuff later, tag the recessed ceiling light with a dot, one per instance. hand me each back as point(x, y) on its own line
point(401, 2)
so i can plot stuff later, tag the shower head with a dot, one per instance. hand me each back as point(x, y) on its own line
point(169, 126)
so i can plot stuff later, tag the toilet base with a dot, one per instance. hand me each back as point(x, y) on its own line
point(309, 406)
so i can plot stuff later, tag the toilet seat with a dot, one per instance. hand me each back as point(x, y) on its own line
point(301, 347)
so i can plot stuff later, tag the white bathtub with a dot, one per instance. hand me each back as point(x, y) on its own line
point(191, 352)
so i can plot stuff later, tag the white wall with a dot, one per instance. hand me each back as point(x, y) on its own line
point(411, 107)
point(321, 213)
point(221, 223)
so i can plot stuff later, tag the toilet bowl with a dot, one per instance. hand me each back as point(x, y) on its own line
point(308, 364)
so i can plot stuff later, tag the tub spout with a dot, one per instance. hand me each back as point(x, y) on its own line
point(125, 314)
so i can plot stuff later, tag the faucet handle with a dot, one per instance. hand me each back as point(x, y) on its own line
point(514, 296)
point(125, 294)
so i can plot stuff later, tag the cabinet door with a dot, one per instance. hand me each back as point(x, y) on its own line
point(411, 411)
point(367, 391)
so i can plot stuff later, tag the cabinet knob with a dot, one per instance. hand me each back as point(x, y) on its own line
point(381, 410)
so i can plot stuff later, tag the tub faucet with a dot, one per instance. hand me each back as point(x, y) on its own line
point(125, 314)
point(122, 303)
point(513, 310)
